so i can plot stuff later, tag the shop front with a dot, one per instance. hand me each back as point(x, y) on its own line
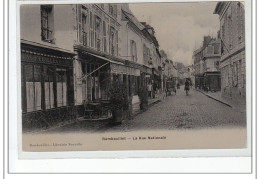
point(156, 80)
point(95, 73)
point(148, 74)
point(46, 86)
point(199, 81)
point(212, 81)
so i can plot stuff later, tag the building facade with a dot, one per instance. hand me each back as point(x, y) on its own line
point(206, 65)
point(211, 58)
point(47, 83)
point(139, 46)
point(70, 54)
point(232, 63)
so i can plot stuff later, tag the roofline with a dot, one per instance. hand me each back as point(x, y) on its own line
point(216, 11)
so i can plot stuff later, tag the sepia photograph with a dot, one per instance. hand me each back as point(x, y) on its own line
point(133, 76)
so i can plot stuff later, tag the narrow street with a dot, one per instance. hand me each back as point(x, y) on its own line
point(179, 111)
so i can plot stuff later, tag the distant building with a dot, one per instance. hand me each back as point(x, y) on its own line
point(206, 64)
point(191, 73)
point(232, 63)
point(140, 47)
point(211, 57)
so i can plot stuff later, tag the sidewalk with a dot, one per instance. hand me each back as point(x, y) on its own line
point(158, 97)
point(218, 97)
point(136, 107)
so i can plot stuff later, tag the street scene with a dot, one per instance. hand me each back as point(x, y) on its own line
point(105, 68)
point(179, 111)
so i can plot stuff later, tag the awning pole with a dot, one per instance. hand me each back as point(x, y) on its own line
point(94, 70)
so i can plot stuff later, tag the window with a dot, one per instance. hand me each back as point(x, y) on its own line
point(115, 11)
point(91, 30)
point(145, 54)
point(112, 41)
point(89, 83)
point(97, 32)
point(83, 68)
point(48, 86)
point(102, 6)
point(217, 49)
point(44, 87)
point(61, 87)
point(116, 43)
point(210, 50)
point(33, 87)
point(104, 37)
point(84, 29)
point(133, 51)
point(47, 23)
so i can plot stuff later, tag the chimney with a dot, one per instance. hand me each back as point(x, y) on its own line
point(206, 40)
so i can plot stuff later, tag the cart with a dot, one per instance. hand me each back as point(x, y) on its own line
point(170, 87)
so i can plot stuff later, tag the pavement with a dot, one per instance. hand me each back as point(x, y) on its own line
point(151, 101)
point(195, 111)
point(224, 100)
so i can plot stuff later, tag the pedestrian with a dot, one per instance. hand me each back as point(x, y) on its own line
point(178, 86)
point(154, 89)
point(187, 87)
point(149, 87)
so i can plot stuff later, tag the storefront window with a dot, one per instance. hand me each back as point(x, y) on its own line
point(61, 87)
point(89, 83)
point(84, 86)
point(33, 87)
point(48, 87)
point(104, 82)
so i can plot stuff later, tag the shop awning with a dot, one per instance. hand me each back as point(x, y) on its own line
point(114, 64)
point(106, 59)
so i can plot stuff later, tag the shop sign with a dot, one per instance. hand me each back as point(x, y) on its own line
point(27, 57)
point(118, 69)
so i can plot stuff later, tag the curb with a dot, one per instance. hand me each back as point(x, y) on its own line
point(215, 99)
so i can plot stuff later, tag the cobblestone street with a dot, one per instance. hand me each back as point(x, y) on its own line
point(179, 111)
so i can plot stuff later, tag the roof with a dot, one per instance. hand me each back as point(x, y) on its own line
point(133, 19)
point(219, 7)
point(198, 50)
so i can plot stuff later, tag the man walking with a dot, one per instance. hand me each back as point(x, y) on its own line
point(187, 86)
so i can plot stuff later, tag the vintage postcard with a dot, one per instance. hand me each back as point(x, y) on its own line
point(161, 76)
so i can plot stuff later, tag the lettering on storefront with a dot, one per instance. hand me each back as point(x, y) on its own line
point(31, 57)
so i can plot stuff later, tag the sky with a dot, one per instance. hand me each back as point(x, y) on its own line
point(179, 27)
